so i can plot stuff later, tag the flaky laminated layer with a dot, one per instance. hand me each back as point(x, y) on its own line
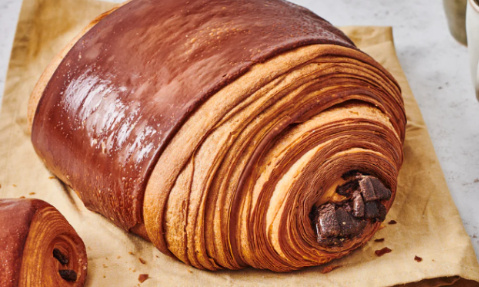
point(242, 174)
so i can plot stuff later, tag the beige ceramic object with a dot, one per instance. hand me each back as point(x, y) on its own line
point(473, 45)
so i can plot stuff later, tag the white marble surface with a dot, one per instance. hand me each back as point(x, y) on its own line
point(437, 69)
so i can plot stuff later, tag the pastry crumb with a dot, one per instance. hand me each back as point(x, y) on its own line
point(31, 193)
point(143, 277)
point(329, 268)
point(383, 251)
point(51, 177)
point(14, 185)
point(142, 260)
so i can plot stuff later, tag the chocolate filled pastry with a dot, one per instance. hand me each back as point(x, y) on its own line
point(38, 247)
point(228, 133)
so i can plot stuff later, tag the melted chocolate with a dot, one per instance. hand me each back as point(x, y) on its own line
point(68, 275)
point(129, 83)
point(62, 258)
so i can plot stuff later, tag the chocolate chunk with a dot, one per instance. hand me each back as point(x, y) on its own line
point(373, 189)
point(375, 210)
point(68, 275)
point(358, 205)
point(371, 210)
point(367, 189)
point(327, 225)
point(383, 251)
point(382, 212)
point(417, 258)
point(348, 188)
point(62, 258)
point(382, 193)
point(349, 225)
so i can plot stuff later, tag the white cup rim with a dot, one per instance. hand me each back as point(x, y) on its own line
point(474, 5)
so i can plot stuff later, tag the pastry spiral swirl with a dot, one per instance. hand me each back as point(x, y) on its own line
point(228, 133)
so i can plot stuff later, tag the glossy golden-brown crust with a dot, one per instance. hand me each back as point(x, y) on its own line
point(51, 68)
point(214, 128)
point(30, 230)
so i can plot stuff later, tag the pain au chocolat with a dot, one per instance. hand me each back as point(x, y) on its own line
point(38, 247)
point(228, 133)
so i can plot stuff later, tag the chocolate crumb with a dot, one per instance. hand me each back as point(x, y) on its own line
point(68, 275)
point(142, 260)
point(383, 251)
point(474, 236)
point(379, 240)
point(143, 277)
point(31, 193)
point(417, 258)
point(330, 268)
point(391, 222)
point(62, 258)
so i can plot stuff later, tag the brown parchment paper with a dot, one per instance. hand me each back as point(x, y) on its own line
point(428, 223)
